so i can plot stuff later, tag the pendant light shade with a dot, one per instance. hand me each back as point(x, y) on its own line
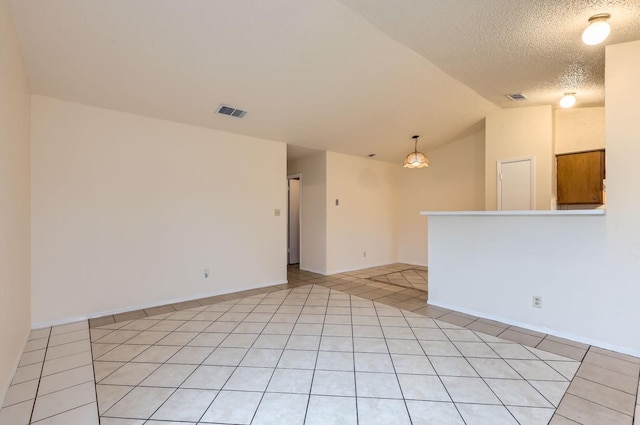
point(416, 159)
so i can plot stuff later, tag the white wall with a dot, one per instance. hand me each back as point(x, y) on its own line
point(517, 133)
point(579, 129)
point(313, 222)
point(127, 211)
point(14, 200)
point(365, 219)
point(453, 181)
point(623, 192)
point(493, 266)
point(585, 268)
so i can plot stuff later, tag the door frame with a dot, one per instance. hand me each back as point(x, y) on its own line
point(532, 160)
point(296, 176)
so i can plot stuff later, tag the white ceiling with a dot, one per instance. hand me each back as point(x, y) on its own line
point(315, 74)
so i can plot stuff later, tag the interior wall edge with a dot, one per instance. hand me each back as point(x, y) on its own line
point(5, 385)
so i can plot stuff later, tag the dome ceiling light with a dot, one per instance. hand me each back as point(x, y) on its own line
point(416, 159)
point(568, 100)
point(598, 29)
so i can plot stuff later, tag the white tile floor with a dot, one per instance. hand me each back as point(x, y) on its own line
point(54, 383)
point(312, 355)
point(309, 355)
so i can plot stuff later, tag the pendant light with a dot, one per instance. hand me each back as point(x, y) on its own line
point(416, 159)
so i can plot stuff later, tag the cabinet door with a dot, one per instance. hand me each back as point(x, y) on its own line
point(580, 178)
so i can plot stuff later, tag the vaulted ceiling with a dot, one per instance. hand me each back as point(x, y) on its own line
point(351, 76)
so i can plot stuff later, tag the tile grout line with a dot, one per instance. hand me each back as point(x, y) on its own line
point(93, 371)
point(637, 412)
point(33, 408)
point(315, 365)
point(599, 404)
point(395, 372)
point(353, 340)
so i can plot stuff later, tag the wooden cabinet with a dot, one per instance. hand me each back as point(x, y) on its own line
point(580, 177)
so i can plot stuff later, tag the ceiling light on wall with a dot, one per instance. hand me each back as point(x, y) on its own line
point(568, 100)
point(598, 29)
point(416, 159)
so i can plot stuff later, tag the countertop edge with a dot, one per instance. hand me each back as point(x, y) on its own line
point(595, 212)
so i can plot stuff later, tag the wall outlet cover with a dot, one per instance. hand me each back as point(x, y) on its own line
point(537, 302)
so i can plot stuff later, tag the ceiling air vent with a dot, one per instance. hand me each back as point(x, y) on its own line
point(516, 97)
point(231, 111)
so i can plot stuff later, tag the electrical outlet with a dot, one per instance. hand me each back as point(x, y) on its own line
point(364, 254)
point(205, 272)
point(276, 212)
point(537, 301)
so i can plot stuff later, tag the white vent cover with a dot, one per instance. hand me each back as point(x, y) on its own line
point(517, 96)
point(231, 111)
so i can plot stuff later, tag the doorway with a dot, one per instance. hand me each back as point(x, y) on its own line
point(516, 190)
point(293, 219)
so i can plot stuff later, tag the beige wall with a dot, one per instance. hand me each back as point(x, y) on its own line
point(517, 133)
point(454, 181)
point(579, 129)
point(365, 219)
point(313, 222)
point(14, 200)
point(128, 211)
point(380, 203)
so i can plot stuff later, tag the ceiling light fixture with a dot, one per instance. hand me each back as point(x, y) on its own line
point(568, 100)
point(416, 159)
point(598, 29)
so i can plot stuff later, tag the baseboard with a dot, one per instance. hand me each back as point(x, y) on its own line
point(550, 331)
point(5, 385)
point(362, 267)
point(65, 320)
point(414, 264)
point(313, 271)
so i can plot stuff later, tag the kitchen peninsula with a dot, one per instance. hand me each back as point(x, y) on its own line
point(492, 263)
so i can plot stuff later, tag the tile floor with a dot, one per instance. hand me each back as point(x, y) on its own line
point(316, 355)
point(54, 383)
point(415, 278)
point(312, 352)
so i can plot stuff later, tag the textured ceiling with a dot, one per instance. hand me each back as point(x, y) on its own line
point(509, 46)
point(350, 76)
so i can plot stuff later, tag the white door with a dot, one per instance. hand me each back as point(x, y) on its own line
point(294, 221)
point(515, 184)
